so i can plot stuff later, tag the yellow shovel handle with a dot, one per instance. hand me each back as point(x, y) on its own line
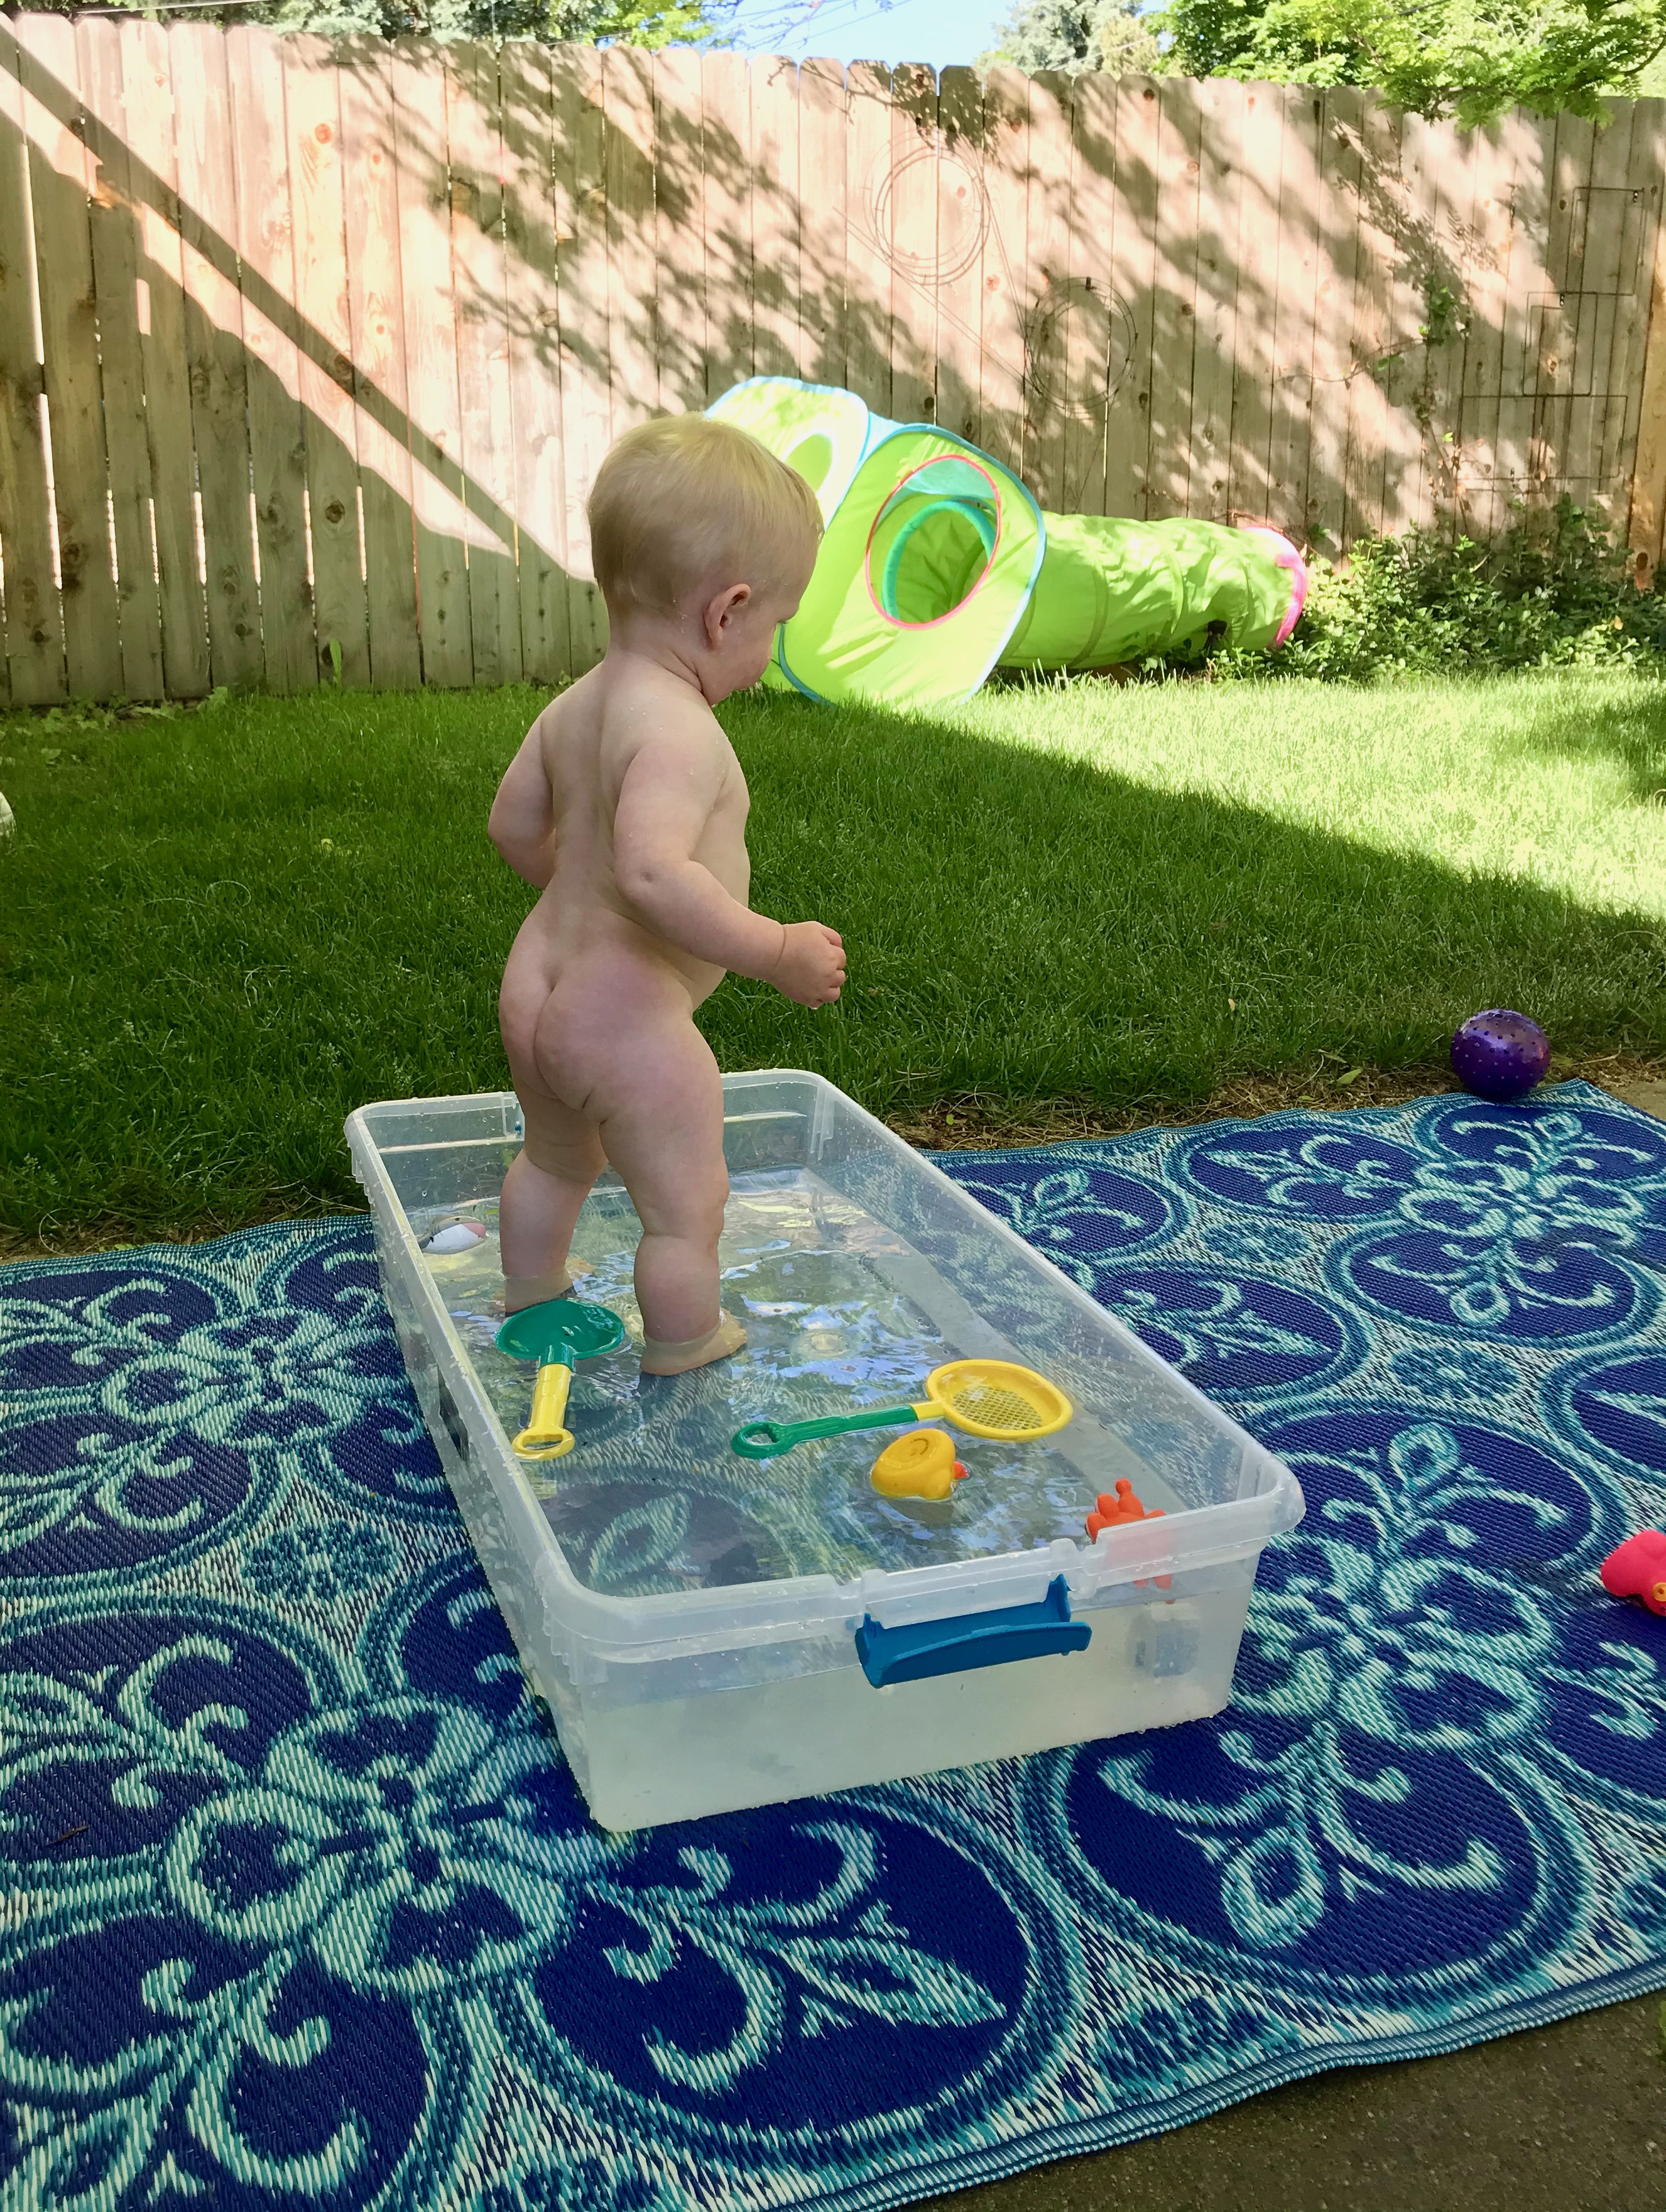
point(546, 1436)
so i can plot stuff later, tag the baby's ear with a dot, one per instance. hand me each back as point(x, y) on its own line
point(722, 609)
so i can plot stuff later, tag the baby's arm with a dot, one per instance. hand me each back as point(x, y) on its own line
point(522, 822)
point(665, 799)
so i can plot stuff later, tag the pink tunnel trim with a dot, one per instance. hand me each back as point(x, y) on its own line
point(1287, 557)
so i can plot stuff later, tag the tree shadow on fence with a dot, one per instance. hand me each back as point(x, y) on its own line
point(239, 551)
point(1148, 297)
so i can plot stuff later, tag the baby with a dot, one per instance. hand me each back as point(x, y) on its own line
point(627, 808)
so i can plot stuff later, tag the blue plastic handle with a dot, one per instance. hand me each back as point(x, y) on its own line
point(971, 1639)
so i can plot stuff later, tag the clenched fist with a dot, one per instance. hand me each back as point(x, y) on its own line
point(811, 969)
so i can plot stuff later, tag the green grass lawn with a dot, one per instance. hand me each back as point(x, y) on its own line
point(219, 931)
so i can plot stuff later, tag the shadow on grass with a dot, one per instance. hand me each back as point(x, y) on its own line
point(1628, 728)
point(229, 931)
point(1025, 924)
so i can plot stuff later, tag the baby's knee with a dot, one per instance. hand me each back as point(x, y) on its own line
point(567, 1157)
point(699, 1225)
point(710, 1219)
point(691, 1217)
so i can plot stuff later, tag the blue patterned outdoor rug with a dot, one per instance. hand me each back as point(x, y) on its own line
point(299, 1907)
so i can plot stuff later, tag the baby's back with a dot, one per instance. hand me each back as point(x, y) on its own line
point(589, 738)
point(571, 733)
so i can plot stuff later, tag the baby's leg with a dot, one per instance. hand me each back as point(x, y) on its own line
point(548, 1182)
point(663, 1132)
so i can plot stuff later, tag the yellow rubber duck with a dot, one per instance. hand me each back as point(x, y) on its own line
point(921, 1464)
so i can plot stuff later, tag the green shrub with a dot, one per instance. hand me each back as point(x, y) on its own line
point(1554, 591)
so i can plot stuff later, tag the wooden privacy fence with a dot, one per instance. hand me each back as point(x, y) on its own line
point(308, 353)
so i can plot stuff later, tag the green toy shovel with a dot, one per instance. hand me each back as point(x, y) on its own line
point(556, 1334)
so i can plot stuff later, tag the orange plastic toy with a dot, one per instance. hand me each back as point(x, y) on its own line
point(1637, 1568)
point(1111, 1512)
point(921, 1464)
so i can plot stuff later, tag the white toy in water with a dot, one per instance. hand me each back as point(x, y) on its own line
point(455, 1237)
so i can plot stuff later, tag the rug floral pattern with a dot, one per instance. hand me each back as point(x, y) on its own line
point(299, 1906)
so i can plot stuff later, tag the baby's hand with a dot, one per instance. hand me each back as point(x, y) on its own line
point(811, 969)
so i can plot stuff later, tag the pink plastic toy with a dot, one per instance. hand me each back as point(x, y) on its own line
point(1637, 1568)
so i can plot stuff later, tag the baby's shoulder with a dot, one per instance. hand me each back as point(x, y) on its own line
point(554, 725)
point(650, 709)
point(572, 731)
point(573, 709)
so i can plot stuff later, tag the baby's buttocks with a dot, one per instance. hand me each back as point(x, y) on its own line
point(577, 1026)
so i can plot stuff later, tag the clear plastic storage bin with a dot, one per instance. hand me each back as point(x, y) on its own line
point(708, 1630)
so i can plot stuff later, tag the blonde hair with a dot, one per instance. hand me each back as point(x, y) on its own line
point(684, 499)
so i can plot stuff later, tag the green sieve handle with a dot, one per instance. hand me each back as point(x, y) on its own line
point(764, 1439)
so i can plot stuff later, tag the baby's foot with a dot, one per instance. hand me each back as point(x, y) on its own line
point(661, 1358)
point(521, 1291)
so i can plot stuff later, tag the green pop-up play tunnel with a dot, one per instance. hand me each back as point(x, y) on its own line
point(938, 565)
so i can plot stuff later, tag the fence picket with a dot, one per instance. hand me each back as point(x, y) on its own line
point(868, 157)
point(726, 161)
point(59, 184)
point(1402, 354)
point(679, 232)
point(1451, 260)
point(375, 307)
point(277, 430)
point(1486, 283)
point(581, 246)
point(1004, 368)
point(534, 348)
point(1174, 320)
point(1339, 248)
point(33, 618)
point(1601, 249)
point(147, 92)
point(1097, 339)
point(1369, 341)
point(1219, 205)
point(1047, 227)
point(1557, 310)
point(1611, 240)
point(277, 436)
point(1425, 269)
point(1643, 459)
point(443, 524)
point(481, 301)
point(121, 366)
point(313, 104)
point(775, 200)
point(1133, 276)
point(215, 351)
point(905, 225)
point(1527, 281)
point(1642, 218)
point(958, 218)
point(632, 314)
point(822, 136)
point(1253, 368)
point(1293, 331)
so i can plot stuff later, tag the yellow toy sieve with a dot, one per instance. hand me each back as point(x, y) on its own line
point(985, 1397)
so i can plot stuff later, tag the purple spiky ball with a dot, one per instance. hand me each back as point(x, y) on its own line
point(1500, 1054)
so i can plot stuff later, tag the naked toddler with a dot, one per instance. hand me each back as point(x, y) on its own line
point(626, 806)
